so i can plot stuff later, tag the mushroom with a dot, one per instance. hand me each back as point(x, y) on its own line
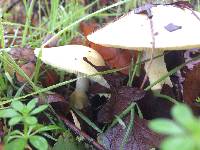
point(168, 27)
point(69, 58)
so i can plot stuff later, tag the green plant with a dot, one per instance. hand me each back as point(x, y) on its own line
point(21, 114)
point(183, 132)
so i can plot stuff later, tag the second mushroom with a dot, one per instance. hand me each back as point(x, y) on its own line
point(167, 28)
point(69, 58)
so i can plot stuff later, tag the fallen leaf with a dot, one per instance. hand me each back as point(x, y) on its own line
point(121, 96)
point(191, 87)
point(53, 43)
point(114, 57)
point(22, 54)
point(28, 69)
point(57, 101)
point(77, 41)
point(191, 80)
point(49, 78)
point(141, 137)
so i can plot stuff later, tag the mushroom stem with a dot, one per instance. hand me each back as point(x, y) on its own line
point(82, 84)
point(78, 98)
point(156, 70)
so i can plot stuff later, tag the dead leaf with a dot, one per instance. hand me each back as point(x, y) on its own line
point(191, 80)
point(49, 78)
point(114, 57)
point(57, 101)
point(121, 96)
point(53, 43)
point(28, 69)
point(141, 137)
point(191, 87)
point(77, 41)
point(22, 54)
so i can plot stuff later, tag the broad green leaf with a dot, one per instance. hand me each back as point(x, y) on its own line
point(12, 135)
point(178, 143)
point(8, 113)
point(31, 120)
point(39, 109)
point(183, 115)
point(13, 121)
point(32, 104)
point(39, 142)
point(17, 105)
point(165, 126)
point(14, 132)
point(17, 144)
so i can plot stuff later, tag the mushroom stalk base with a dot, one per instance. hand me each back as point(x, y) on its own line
point(78, 98)
point(156, 69)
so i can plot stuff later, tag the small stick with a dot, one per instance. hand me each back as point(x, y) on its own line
point(81, 133)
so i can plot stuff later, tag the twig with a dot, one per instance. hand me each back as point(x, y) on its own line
point(81, 133)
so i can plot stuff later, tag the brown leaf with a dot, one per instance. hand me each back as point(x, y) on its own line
point(191, 80)
point(141, 137)
point(53, 43)
point(22, 54)
point(77, 40)
point(191, 87)
point(121, 96)
point(28, 70)
point(51, 98)
point(49, 78)
point(57, 101)
point(120, 99)
point(114, 57)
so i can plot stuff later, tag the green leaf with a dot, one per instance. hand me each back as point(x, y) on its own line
point(39, 142)
point(48, 128)
point(39, 109)
point(17, 105)
point(8, 113)
point(17, 144)
point(68, 141)
point(32, 104)
point(165, 126)
point(13, 121)
point(183, 115)
point(178, 143)
point(31, 120)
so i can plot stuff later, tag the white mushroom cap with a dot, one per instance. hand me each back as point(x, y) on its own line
point(70, 59)
point(133, 31)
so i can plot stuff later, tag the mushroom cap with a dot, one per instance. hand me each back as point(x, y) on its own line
point(69, 58)
point(133, 31)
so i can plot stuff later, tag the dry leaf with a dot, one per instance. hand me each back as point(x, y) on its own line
point(141, 137)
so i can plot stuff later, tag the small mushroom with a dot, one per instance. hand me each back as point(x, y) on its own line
point(69, 58)
point(173, 28)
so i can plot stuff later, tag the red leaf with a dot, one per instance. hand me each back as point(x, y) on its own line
point(115, 58)
point(28, 70)
point(141, 137)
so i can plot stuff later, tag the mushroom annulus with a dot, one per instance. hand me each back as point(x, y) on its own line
point(69, 58)
point(169, 27)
